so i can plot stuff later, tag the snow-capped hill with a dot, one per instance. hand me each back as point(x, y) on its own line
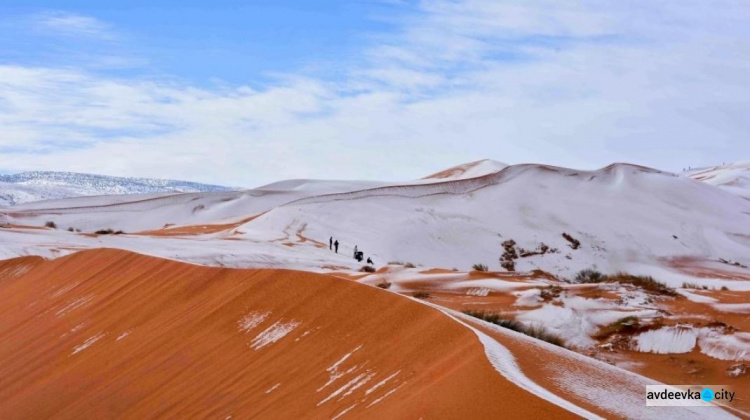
point(156, 210)
point(734, 177)
point(44, 185)
point(612, 174)
point(468, 170)
point(622, 216)
point(320, 186)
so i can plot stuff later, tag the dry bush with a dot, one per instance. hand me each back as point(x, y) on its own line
point(480, 267)
point(536, 331)
point(644, 282)
point(589, 275)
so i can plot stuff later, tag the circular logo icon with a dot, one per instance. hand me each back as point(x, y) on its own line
point(707, 395)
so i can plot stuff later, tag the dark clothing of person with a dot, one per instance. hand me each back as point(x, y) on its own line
point(336, 245)
point(330, 242)
point(369, 261)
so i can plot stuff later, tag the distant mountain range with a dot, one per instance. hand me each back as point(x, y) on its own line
point(45, 185)
point(33, 186)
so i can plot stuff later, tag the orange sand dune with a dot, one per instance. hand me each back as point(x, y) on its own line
point(190, 230)
point(109, 333)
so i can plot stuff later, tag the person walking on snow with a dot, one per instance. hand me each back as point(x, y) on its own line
point(330, 242)
point(336, 246)
point(355, 251)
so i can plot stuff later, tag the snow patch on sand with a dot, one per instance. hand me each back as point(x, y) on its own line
point(344, 411)
point(86, 344)
point(683, 339)
point(66, 288)
point(357, 379)
point(479, 291)
point(272, 334)
point(333, 370)
point(734, 347)
point(273, 388)
point(740, 308)
point(529, 297)
point(695, 297)
point(74, 305)
point(251, 320)
point(382, 397)
point(668, 340)
point(381, 383)
point(579, 318)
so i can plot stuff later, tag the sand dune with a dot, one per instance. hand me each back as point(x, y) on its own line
point(108, 333)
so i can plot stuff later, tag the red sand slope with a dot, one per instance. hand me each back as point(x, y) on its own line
point(109, 333)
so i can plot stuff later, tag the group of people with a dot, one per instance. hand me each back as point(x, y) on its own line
point(359, 256)
point(333, 244)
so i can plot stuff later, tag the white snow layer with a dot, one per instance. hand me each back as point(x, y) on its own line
point(272, 334)
point(666, 340)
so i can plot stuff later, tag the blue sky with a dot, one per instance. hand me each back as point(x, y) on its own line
point(235, 42)
point(245, 93)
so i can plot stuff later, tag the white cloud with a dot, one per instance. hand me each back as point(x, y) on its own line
point(572, 83)
point(71, 24)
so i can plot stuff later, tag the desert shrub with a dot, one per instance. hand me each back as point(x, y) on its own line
point(507, 260)
point(495, 318)
point(535, 331)
point(421, 295)
point(627, 324)
point(690, 285)
point(104, 232)
point(479, 267)
point(550, 292)
point(725, 288)
point(50, 224)
point(119, 232)
point(574, 243)
point(406, 265)
point(589, 275)
point(644, 282)
point(384, 285)
point(70, 229)
point(541, 333)
point(367, 269)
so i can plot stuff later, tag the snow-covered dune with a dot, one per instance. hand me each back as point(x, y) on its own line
point(734, 177)
point(467, 170)
point(621, 217)
point(139, 212)
point(620, 214)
